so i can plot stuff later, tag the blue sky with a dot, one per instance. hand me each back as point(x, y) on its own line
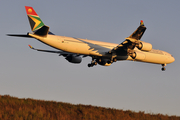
point(126, 85)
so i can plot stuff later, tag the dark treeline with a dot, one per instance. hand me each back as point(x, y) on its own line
point(12, 108)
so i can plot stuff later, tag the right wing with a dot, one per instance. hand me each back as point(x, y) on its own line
point(138, 33)
point(130, 43)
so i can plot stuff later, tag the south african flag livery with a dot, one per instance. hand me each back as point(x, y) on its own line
point(34, 20)
point(141, 23)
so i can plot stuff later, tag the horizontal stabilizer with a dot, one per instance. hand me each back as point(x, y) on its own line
point(19, 35)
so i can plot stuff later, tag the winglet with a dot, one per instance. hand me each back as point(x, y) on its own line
point(138, 33)
point(141, 23)
point(30, 46)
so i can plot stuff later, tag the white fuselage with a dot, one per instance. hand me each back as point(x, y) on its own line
point(79, 46)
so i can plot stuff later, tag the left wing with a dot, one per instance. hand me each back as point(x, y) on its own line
point(65, 54)
point(44, 50)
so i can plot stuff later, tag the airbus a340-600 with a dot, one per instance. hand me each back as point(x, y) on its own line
point(102, 53)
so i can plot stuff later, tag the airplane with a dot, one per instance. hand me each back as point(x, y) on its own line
point(102, 53)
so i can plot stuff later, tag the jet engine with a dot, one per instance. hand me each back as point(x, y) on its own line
point(103, 62)
point(138, 56)
point(144, 46)
point(73, 59)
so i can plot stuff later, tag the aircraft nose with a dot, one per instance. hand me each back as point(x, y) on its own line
point(170, 59)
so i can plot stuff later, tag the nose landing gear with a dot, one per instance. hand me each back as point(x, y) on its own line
point(163, 67)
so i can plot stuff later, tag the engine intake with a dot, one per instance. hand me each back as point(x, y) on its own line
point(138, 56)
point(144, 46)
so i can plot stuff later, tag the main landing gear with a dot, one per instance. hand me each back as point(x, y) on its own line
point(92, 63)
point(112, 60)
point(101, 61)
point(163, 67)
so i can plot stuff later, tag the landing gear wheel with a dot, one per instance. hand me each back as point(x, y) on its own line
point(89, 65)
point(163, 69)
point(114, 60)
point(109, 62)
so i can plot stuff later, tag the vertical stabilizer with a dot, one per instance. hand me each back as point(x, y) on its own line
point(34, 20)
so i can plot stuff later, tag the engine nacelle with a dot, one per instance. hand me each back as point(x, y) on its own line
point(144, 46)
point(138, 56)
point(103, 62)
point(73, 59)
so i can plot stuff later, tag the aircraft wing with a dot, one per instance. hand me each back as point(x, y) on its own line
point(138, 33)
point(101, 50)
point(63, 53)
point(130, 43)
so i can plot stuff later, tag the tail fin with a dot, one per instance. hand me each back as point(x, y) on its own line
point(34, 20)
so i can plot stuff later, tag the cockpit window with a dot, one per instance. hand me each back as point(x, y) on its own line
point(165, 53)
